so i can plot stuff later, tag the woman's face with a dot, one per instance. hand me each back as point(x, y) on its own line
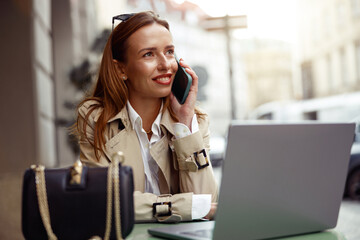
point(151, 65)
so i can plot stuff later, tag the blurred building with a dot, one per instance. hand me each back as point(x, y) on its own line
point(42, 41)
point(268, 69)
point(328, 59)
point(329, 47)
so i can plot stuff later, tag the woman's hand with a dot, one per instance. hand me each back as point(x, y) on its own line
point(211, 214)
point(186, 111)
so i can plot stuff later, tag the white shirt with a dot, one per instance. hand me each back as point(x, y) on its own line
point(201, 203)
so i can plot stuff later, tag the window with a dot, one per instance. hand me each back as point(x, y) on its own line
point(355, 8)
point(343, 68)
point(266, 116)
point(357, 59)
point(329, 73)
point(327, 23)
point(307, 80)
point(310, 115)
point(340, 14)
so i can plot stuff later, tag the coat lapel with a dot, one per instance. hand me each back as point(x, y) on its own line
point(161, 154)
point(127, 142)
point(161, 151)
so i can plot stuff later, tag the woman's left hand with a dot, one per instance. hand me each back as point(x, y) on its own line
point(212, 212)
point(186, 111)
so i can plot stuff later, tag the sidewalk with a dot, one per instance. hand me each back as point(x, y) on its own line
point(349, 219)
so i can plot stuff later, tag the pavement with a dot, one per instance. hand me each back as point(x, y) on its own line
point(349, 219)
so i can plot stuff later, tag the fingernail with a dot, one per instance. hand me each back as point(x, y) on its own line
point(181, 59)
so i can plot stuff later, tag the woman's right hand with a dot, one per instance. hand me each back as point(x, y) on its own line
point(186, 111)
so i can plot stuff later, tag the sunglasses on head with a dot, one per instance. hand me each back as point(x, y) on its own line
point(122, 18)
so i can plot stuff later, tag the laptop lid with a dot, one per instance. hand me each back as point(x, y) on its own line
point(278, 180)
point(282, 179)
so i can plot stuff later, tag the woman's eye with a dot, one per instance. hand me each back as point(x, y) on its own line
point(170, 52)
point(148, 54)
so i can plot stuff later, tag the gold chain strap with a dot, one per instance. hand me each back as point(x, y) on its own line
point(113, 182)
point(42, 199)
point(109, 203)
point(117, 199)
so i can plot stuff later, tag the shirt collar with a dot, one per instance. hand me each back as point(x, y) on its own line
point(136, 119)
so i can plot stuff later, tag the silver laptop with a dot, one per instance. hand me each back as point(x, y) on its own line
point(278, 180)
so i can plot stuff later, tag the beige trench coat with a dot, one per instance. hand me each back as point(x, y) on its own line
point(178, 159)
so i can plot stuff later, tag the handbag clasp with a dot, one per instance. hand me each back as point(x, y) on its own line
point(75, 173)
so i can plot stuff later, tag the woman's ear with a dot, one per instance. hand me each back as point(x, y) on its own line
point(120, 67)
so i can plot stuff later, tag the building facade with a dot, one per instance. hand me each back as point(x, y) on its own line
point(268, 69)
point(329, 47)
point(328, 59)
point(42, 41)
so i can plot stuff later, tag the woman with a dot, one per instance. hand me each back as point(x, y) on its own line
point(133, 110)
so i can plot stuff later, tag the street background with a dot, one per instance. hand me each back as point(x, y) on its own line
point(283, 60)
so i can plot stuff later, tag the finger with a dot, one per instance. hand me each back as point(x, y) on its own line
point(183, 63)
point(194, 77)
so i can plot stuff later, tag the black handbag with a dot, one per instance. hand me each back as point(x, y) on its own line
point(78, 202)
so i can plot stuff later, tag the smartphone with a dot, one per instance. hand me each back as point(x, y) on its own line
point(182, 83)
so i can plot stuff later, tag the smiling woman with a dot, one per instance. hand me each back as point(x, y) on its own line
point(133, 110)
point(150, 66)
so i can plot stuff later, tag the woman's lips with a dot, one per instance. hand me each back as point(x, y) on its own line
point(164, 79)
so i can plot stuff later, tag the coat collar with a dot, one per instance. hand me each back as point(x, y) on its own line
point(166, 120)
point(122, 115)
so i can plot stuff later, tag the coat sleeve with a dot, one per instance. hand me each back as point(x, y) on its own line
point(163, 208)
point(192, 159)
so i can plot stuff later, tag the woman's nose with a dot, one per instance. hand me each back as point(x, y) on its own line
point(163, 63)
